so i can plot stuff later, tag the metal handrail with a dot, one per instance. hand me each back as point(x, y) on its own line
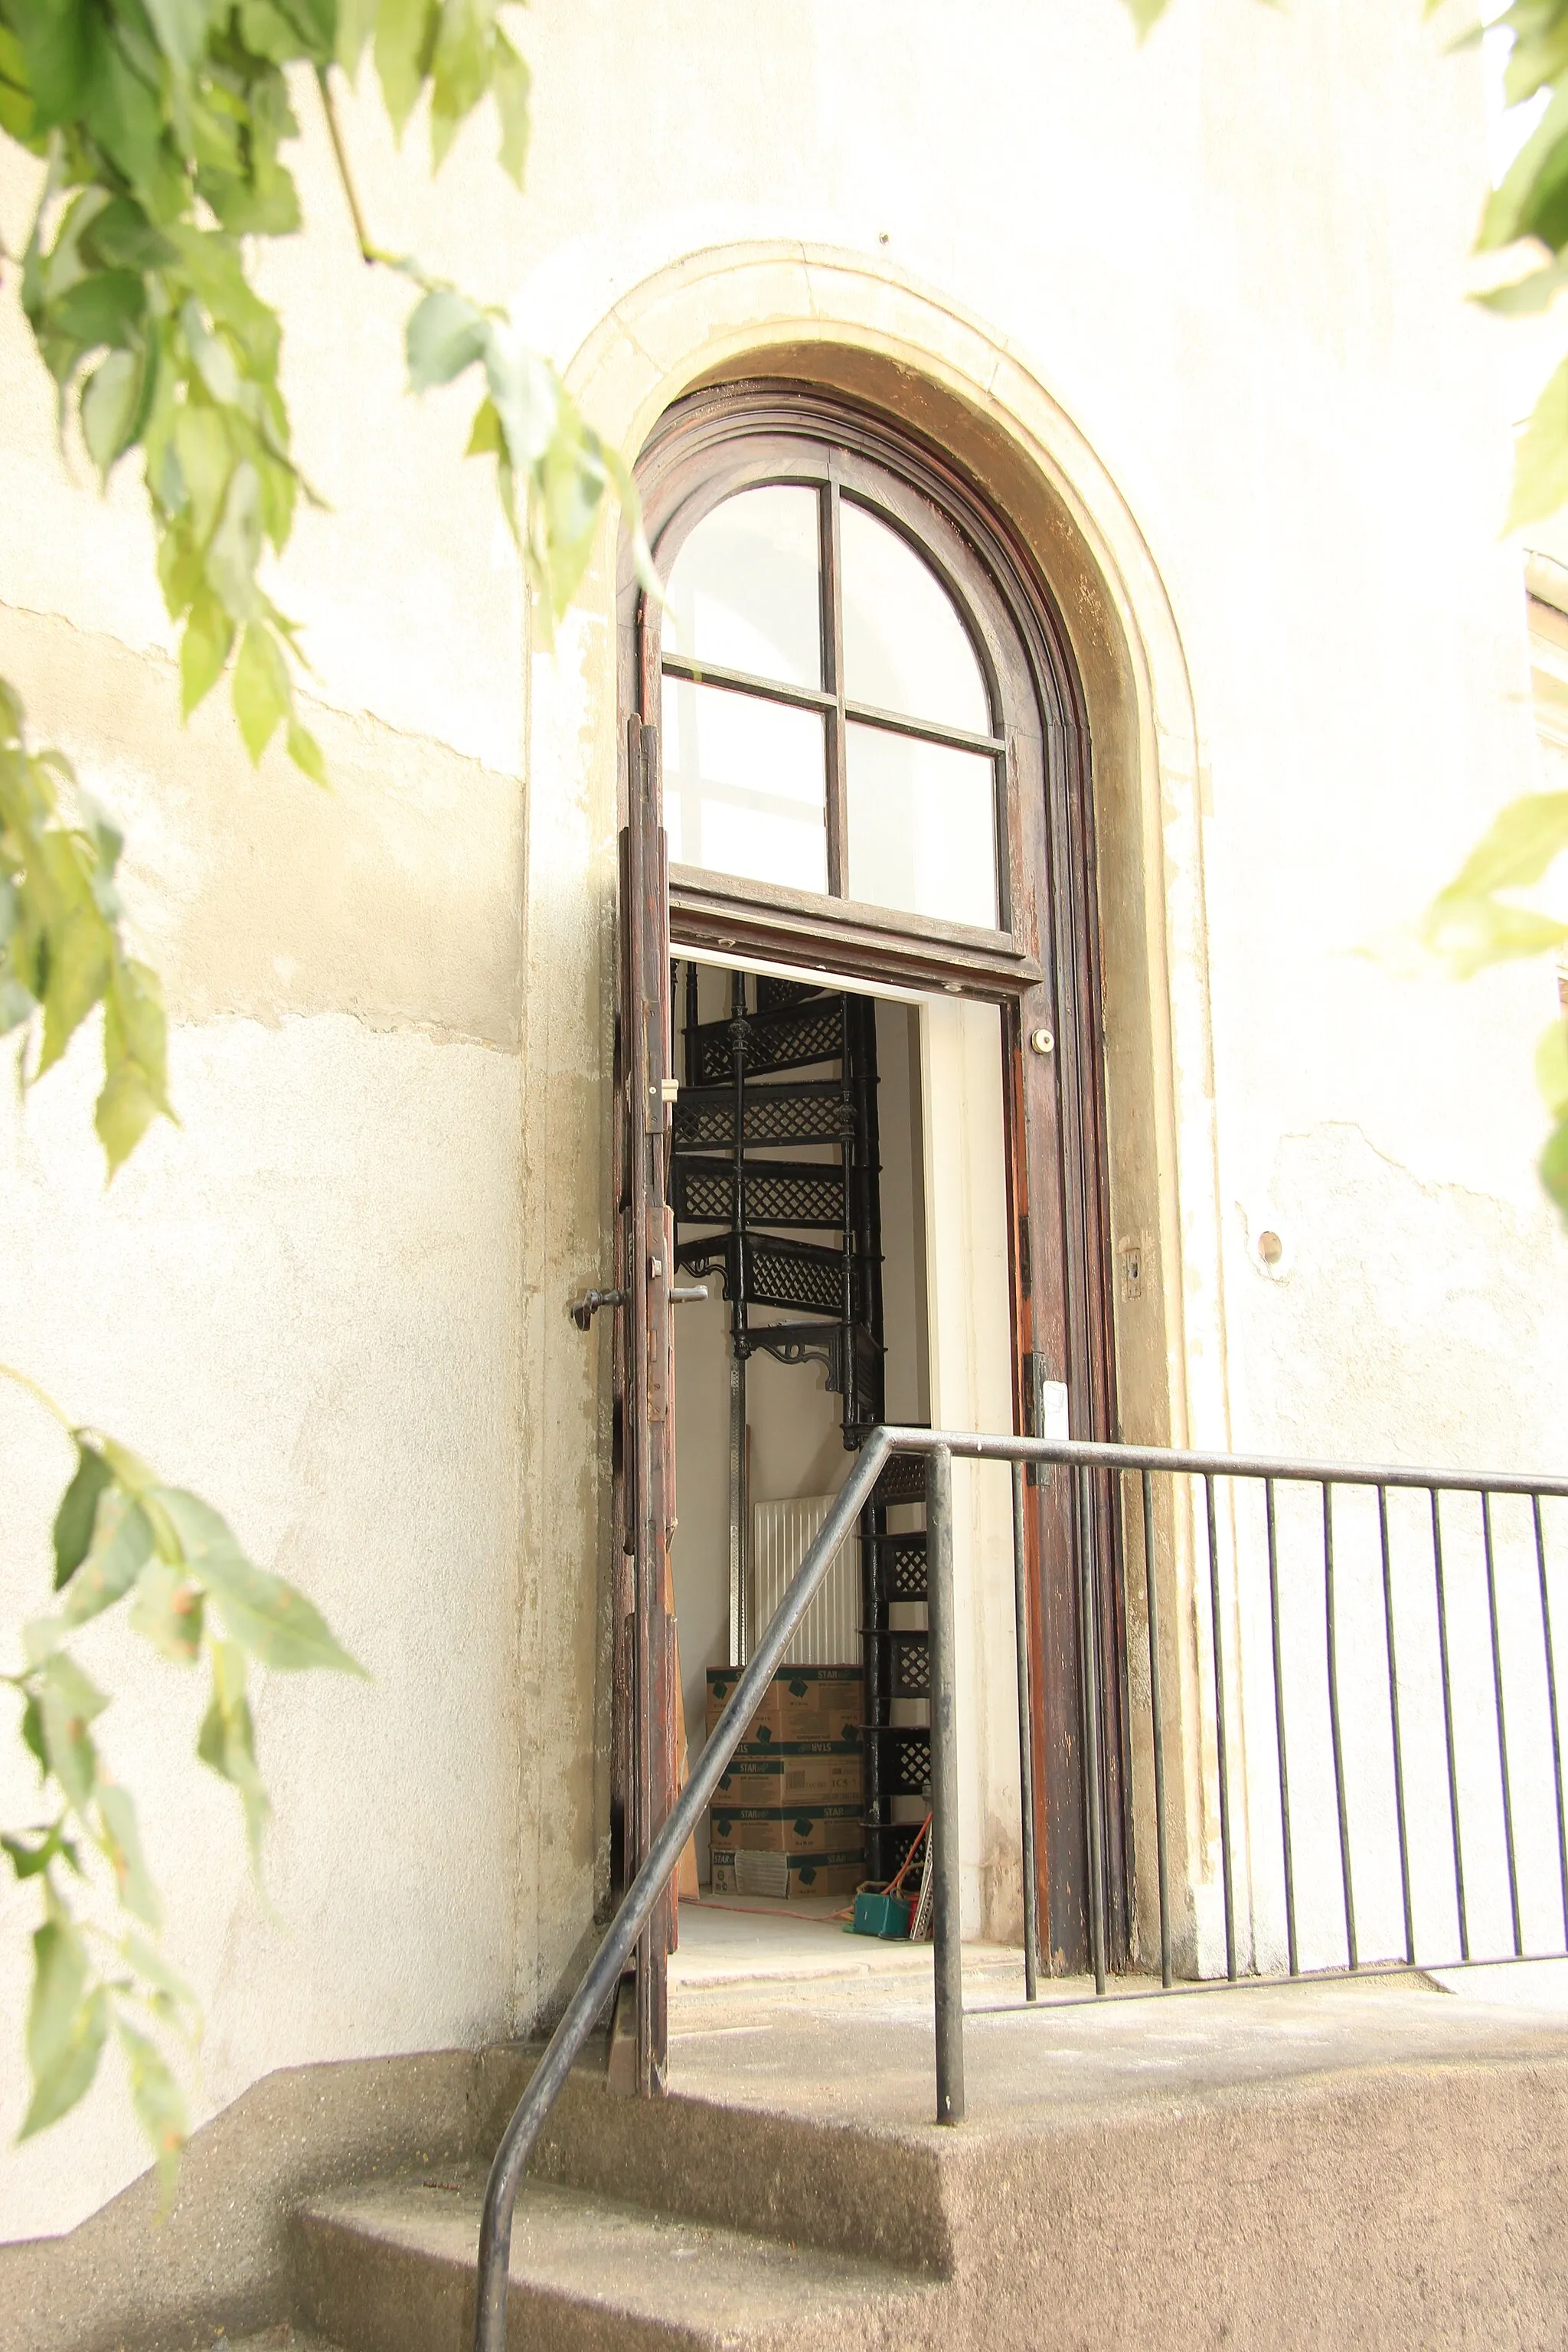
point(603, 1973)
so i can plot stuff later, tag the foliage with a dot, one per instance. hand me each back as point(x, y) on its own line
point(161, 126)
point(1471, 923)
point(121, 1537)
point(61, 950)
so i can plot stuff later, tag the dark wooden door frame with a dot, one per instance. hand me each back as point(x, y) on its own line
point(1043, 971)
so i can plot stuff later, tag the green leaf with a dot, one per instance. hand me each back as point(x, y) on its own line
point(1523, 840)
point(526, 394)
point(262, 693)
point(67, 2024)
point(157, 2099)
point(1541, 456)
point(486, 435)
point(446, 333)
point(511, 85)
point(236, 546)
point(77, 1510)
point(1553, 1166)
point(68, 1703)
point(306, 753)
point(110, 402)
point(181, 26)
point(125, 1109)
point(356, 21)
point(267, 1616)
point(123, 1839)
point(81, 950)
point(226, 1742)
point(33, 1733)
point(102, 308)
point(1551, 1068)
point(405, 36)
point(1526, 297)
point(31, 1860)
point(204, 648)
point(168, 1610)
point(150, 1963)
point(1530, 199)
point(1145, 15)
point(123, 237)
point(53, 37)
point(206, 457)
point(121, 1545)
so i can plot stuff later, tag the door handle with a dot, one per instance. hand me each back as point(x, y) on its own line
point(582, 1310)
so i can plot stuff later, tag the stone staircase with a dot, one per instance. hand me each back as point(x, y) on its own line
point(1289, 2168)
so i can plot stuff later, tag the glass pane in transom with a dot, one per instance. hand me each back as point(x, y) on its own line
point(744, 786)
point(905, 647)
point(923, 826)
point(743, 592)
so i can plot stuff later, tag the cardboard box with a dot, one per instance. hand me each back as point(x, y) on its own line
point(792, 1772)
point(792, 1830)
point(801, 1703)
point(785, 1876)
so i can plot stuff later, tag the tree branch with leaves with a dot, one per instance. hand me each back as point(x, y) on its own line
point(162, 128)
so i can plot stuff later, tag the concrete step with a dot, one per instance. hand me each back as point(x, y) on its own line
point(390, 2268)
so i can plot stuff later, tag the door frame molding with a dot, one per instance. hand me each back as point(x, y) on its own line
point(1045, 974)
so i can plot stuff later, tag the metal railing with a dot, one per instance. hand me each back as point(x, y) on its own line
point(1125, 1774)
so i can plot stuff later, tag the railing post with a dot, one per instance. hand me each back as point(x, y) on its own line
point(947, 1948)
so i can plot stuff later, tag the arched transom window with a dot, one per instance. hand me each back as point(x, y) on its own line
point(829, 724)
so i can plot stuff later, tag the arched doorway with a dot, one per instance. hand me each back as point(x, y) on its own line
point(857, 758)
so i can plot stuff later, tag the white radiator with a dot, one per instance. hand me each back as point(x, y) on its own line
point(829, 1632)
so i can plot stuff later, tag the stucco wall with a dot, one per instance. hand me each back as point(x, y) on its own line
point(1195, 315)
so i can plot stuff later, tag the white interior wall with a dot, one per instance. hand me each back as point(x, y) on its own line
point(796, 1448)
point(969, 1313)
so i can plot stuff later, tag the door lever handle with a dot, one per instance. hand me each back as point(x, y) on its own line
point(687, 1297)
point(582, 1310)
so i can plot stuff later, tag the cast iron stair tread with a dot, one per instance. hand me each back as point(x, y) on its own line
point(795, 1192)
point(389, 2268)
point(809, 1111)
point(795, 1037)
point(780, 1271)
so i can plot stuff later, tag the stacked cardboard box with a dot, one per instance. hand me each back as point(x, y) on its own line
point(787, 1820)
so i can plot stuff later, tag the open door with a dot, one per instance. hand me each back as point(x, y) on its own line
point(647, 1704)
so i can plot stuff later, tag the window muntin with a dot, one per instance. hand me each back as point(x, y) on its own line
point(827, 723)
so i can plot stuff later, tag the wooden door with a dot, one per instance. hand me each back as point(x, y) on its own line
point(648, 1698)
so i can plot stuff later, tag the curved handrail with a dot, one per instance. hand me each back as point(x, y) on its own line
point(583, 2011)
point(603, 1973)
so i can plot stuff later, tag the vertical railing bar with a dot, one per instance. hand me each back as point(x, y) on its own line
point(1394, 1716)
point(1448, 1723)
point(1334, 1728)
point(1025, 1741)
point(1291, 1954)
point(1501, 1723)
point(1157, 1725)
point(1221, 1755)
point(1552, 1711)
point(1093, 1792)
point(946, 1918)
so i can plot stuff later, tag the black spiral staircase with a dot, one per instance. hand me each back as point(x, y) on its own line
point(796, 1243)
